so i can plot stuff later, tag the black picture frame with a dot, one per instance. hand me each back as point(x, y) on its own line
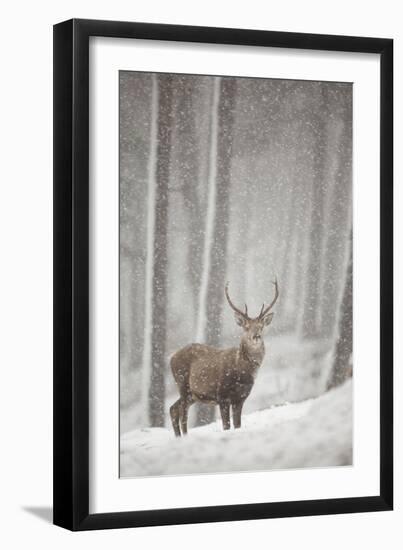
point(71, 274)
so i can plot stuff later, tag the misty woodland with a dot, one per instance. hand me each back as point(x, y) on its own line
point(235, 274)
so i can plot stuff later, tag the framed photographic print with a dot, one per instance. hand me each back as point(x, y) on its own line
point(223, 235)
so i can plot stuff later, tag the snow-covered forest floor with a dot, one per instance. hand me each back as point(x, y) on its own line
point(312, 433)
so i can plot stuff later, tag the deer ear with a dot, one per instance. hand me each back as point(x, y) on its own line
point(240, 320)
point(268, 319)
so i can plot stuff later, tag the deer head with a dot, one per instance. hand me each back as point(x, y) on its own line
point(253, 327)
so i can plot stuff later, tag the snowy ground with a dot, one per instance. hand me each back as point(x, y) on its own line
point(313, 433)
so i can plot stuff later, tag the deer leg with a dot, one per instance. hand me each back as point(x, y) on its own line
point(224, 410)
point(183, 414)
point(174, 412)
point(236, 413)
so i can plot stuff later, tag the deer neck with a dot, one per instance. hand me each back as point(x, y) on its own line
point(252, 354)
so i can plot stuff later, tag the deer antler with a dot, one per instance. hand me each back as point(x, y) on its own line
point(263, 311)
point(244, 315)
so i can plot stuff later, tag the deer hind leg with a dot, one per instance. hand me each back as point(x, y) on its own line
point(224, 410)
point(174, 411)
point(183, 413)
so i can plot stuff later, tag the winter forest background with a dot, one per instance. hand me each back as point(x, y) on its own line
point(239, 180)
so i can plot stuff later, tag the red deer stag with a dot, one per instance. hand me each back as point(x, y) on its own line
point(223, 377)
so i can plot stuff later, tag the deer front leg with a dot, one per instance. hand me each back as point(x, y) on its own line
point(224, 410)
point(237, 413)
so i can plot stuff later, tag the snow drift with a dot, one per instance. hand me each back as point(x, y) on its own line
point(313, 433)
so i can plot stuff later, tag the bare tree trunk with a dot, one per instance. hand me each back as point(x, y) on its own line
point(210, 213)
point(188, 176)
point(218, 264)
point(338, 219)
point(312, 305)
point(342, 365)
point(218, 247)
point(149, 259)
point(157, 383)
point(204, 413)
